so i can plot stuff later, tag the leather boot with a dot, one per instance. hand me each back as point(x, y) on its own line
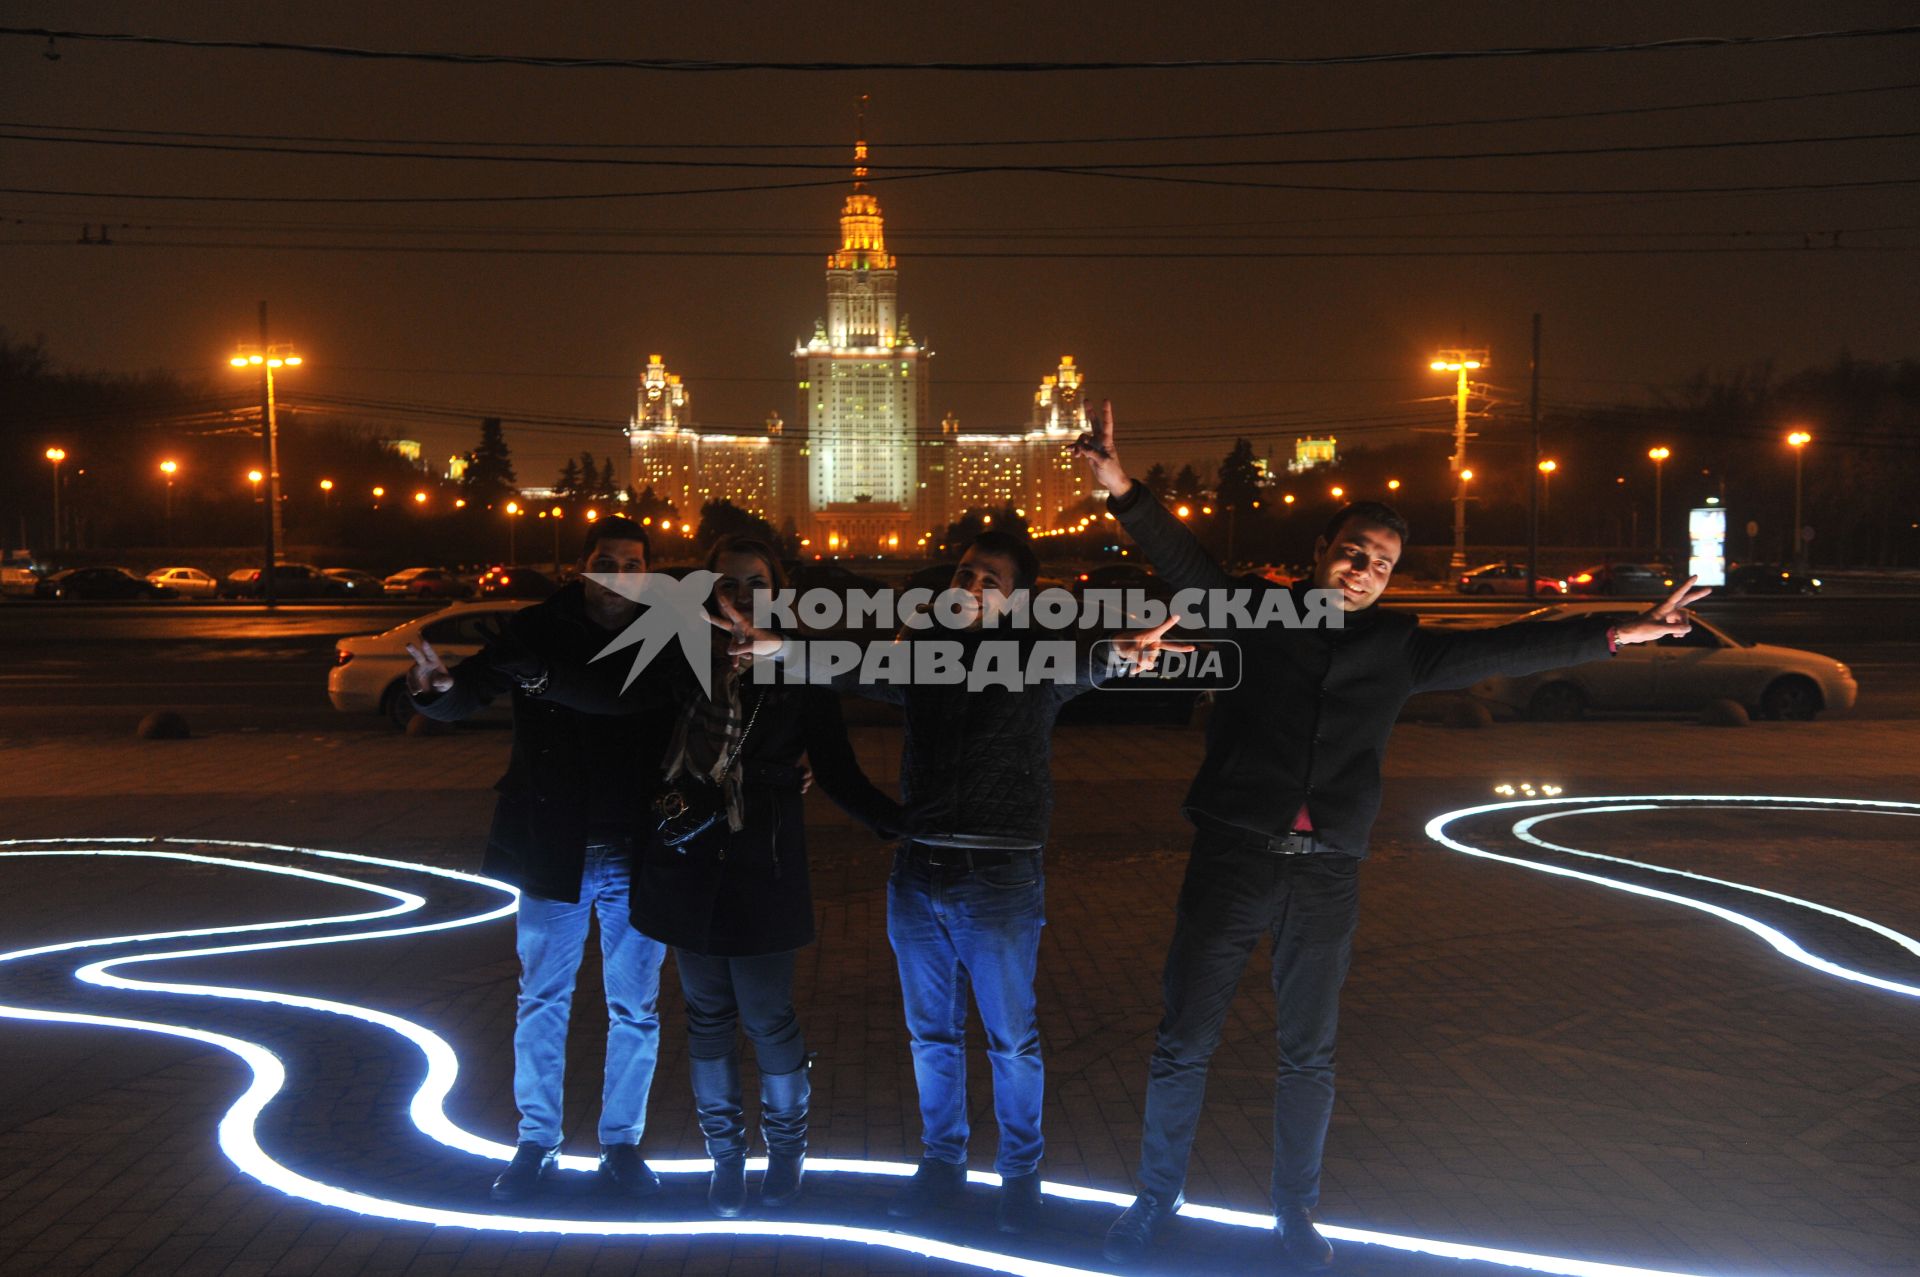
point(783, 1125)
point(716, 1102)
point(1300, 1242)
point(1130, 1235)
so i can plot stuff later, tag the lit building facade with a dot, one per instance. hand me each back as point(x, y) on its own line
point(1308, 453)
point(863, 396)
point(689, 466)
point(1034, 470)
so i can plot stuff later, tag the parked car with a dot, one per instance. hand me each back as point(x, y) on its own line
point(189, 583)
point(1769, 578)
point(100, 583)
point(19, 574)
point(290, 581)
point(426, 583)
point(529, 584)
point(1507, 578)
point(1635, 580)
point(369, 674)
point(1707, 664)
point(360, 585)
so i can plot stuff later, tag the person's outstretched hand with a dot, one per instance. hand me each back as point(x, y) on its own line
point(1142, 648)
point(744, 637)
point(1664, 620)
point(1096, 449)
point(428, 672)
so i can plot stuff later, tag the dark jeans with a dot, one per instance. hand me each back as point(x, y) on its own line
point(725, 994)
point(1235, 892)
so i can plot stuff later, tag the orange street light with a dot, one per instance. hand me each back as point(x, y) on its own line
point(1466, 476)
point(1339, 492)
point(56, 455)
point(1289, 498)
point(1798, 441)
point(169, 468)
point(1659, 457)
point(1393, 485)
point(419, 498)
point(1183, 511)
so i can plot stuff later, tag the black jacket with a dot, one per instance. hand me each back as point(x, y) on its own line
point(1309, 720)
point(739, 893)
point(546, 810)
point(976, 765)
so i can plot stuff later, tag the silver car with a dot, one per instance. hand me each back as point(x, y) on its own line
point(369, 674)
point(1683, 674)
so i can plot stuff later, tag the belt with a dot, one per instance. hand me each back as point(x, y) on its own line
point(932, 857)
point(1291, 844)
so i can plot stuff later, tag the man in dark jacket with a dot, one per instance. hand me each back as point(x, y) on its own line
point(966, 899)
point(576, 787)
point(1282, 808)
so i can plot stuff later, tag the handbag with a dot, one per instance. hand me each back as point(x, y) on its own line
point(691, 805)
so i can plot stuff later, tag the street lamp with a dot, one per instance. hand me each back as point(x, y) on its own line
point(268, 358)
point(326, 490)
point(1546, 485)
point(1460, 363)
point(56, 455)
point(168, 468)
point(1393, 485)
point(1338, 492)
point(1798, 441)
point(1659, 458)
point(419, 498)
point(513, 512)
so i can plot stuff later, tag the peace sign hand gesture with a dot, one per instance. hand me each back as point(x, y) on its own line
point(1096, 449)
point(1665, 620)
point(745, 638)
point(1141, 649)
point(428, 672)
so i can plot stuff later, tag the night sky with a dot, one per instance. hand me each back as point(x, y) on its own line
point(1192, 351)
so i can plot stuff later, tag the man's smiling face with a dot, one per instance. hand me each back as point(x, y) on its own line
point(1357, 563)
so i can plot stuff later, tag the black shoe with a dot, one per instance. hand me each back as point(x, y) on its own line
point(727, 1187)
point(1301, 1244)
point(783, 1124)
point(1018, 1210)
point(521, 1179)
point(934, 1185)
point(622, 1171)
point(1129, 1236)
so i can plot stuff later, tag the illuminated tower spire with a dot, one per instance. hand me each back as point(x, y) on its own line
point(860, 276)
point(863, 240)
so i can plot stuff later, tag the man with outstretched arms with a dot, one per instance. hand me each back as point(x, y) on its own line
point(1282, 807)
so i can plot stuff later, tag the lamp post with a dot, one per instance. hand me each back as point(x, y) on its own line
point(1798, 441)
point(56, 455)
point(1460, 363)
point(1659, 458)
point(326, 492)
point(513, 512)
point(168, 468)
point(268, 359)
point(1547, 468)
point(556, 540)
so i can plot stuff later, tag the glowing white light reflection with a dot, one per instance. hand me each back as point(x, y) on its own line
point(1776, 939)
point(237, 1132)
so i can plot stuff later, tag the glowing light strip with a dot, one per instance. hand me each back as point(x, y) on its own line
point(237, 1130)
point(1776, 939)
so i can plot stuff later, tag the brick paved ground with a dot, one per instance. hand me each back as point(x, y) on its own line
point(1526, 1062)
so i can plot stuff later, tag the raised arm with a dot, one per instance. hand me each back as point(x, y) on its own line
point(823, 731)
point(450, 695)
point(1176, 554)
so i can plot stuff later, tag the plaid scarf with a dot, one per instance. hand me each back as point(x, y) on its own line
point(709, 736)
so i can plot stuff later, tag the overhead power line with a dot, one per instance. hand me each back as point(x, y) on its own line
point(891, 146)
point(548, 62)
point(877, 167)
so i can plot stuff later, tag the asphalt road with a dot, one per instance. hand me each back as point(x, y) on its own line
point(77, 668)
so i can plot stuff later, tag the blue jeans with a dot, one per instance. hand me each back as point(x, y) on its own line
point(551, 935)
point(951, 928)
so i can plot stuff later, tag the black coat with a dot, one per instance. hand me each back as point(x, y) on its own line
point(544, 812)
point(976, 765)
point(1309, 720)
point(738, 893)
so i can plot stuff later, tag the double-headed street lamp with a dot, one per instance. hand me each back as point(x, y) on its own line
point(56, 455)
point(268, 359)
point(1459, 362)
point(1798, 441)
point(1658, 456)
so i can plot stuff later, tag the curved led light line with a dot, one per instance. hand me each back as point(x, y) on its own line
point(1776, 939)
point(237, 1131)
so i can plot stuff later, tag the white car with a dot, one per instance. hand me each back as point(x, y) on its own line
point(369, 674)
point(1707, 665)
point(189, 583)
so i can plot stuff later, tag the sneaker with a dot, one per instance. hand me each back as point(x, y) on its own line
point(934, 1185)
point(521, 1179)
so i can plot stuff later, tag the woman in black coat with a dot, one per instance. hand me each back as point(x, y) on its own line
point(734, 901)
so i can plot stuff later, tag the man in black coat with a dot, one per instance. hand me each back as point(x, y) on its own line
point(1282, 807)
point(574, 793)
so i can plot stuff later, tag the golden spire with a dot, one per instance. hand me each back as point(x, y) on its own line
point(860, 144)
point(863, 244)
